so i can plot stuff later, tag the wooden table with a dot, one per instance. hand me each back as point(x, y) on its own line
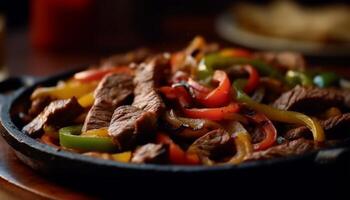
point(20, 182)
point(17, 180)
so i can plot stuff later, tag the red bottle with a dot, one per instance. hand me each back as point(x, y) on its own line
point(61, 24)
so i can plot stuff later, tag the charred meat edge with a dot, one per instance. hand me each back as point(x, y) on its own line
point(58, 112)
point(150, 153)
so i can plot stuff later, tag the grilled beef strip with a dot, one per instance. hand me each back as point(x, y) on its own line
point(39, 105)
point(139, 121)
point(335, 128)
point(309, 99)
point(57, 112)
point(288, 148)
point(214, 145)
point(150, 153)
point(148, 77)
point(113, 90)
point(130, 124)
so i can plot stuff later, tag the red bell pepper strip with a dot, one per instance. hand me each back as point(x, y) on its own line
point(215, 114)
point(97, 74)
point(253, 80)
point(220, 96)
point(267, 127)
point(179, 93)
point(176, 154)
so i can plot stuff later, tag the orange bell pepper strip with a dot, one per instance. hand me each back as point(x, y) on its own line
point(97, 74)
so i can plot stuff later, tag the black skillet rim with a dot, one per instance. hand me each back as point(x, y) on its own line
point(18, 138)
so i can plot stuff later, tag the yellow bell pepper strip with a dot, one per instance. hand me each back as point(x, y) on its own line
point(101, 132)
point(296, 77)
point(65, 91)
point(244, 147)
point(242, 140)
point(280, 115)
point(87, 100)
point(122, 157)
point(70, 138)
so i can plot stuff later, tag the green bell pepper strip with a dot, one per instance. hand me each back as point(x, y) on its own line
point(216, 61)
point(70, 138)
point(295, 77)
point(326, 79)
point(280, 115)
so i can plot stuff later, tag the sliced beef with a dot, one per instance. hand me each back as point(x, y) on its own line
point(136, 56)
point(148, 78)
point(38, 105)
point(298, 132)
point(309, 100)
point(283, 60)
point(215, 144)
point(150, 153)
point(289, 148)
point(334, 127)
point(346, 95)
point(130, 124)
point(57, 112)
point(112, 91)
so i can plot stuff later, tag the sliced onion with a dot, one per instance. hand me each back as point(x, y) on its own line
point(189, 128)
point(259, 94)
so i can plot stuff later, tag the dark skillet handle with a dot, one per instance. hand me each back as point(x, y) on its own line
point(337, 156)
point(13, 84)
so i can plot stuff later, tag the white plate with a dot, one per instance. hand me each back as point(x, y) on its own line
point(227, 28)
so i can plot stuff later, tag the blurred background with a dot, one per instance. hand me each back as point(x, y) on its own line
point(43, 37)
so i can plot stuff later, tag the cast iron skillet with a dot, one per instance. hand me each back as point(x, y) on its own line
point(313, 168)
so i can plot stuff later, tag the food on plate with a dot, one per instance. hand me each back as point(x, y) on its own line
point(290, 20)
point(202, 105)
